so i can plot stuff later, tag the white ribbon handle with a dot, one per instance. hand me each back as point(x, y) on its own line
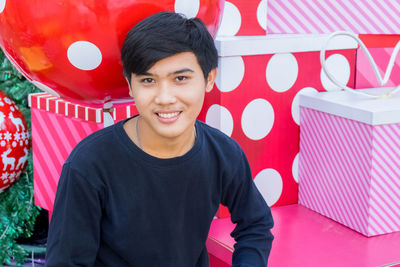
point(382, 81)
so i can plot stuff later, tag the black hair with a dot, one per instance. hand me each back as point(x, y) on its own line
point(165, 34)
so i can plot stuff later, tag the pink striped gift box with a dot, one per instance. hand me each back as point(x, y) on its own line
point(57, 126)
point(325, 16)
point(349, 167)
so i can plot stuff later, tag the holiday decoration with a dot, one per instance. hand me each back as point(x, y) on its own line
point(14, 142)
point(71, 48)
point(17, 210)
point(57, 126)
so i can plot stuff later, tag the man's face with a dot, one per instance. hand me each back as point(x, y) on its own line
point(170, 95)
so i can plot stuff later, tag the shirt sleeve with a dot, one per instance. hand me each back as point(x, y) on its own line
point(252, 217)
point(74, 231)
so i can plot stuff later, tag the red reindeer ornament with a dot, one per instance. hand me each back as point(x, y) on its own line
point(14, 142)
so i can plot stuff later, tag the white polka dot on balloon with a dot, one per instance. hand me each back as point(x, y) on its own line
point(189, 8)
point(2, 5)
point(84, 55)
point(230, 73)
point(262, 14)
point(14, 144)
point(282, 71)
point(257, 119)
point(269, 183)
point(339, 67)
point(295, 168)
point(231, 20)
point(219, 117)
point(295, 103)
point(45, 88)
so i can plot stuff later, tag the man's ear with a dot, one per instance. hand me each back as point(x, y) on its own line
point(129, 86)
point(211, 79)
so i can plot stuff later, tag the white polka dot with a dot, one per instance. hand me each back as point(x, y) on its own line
point(230, 73)
point(45, 88)
point(26, 141)
point(21, 143)
point(295, 168)
point(14, 144)
point(219, 117)
point(2, 5)
point(339, 68)
point(3, 143)
point(84, 55)
point(262, 14)
point(231, 20)
point(269, 183)
point(295, 103)
point(257, 119)
point(282, 72)
point(189, 8)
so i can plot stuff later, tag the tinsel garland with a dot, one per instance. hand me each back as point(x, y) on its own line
point(17, 210)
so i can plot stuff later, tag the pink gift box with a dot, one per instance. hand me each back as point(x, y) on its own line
point(324, 16)
point(57, 126)
point(349, 166)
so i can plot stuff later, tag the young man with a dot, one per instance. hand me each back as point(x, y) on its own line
point(144, 191)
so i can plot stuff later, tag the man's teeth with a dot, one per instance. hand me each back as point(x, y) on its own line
point(168, 115)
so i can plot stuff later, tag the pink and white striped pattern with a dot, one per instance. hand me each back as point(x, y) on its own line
point(53, 138)
point(350, 171)
point(365, 76)
point(325, 16)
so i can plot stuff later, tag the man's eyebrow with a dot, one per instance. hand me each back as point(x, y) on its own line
point(181, 71)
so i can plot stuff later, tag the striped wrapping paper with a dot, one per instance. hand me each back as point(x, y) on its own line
point(57, 127)
point(325, 16)
point(350, 171)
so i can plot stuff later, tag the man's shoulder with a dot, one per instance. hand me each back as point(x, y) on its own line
point(219, 141)
point(96, 145)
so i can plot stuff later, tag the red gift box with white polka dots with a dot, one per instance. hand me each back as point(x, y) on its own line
point(243, 18)
point(255, 101)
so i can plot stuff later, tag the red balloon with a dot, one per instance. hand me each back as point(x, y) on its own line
point(14, 142)
point(72, 47)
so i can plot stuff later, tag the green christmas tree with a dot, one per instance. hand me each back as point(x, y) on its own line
point(17, 210)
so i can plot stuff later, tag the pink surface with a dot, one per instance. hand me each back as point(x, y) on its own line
point(325, 16)
point(349, 171)
point(306, 238)
point(365, 76)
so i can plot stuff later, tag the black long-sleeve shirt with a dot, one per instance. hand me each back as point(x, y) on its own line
point(118, 206)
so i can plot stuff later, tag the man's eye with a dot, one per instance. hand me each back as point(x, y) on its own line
point(147, 80)
point(181, 78)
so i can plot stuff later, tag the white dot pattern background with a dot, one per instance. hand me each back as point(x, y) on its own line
point(282, 72)
point(339, 68)
point(84, 55)
point(296, 104)
point(257, 119)
point(261, 14)
point(231, 20)
point(2, 5)
point(269, 183)
point(219, 117)
point(189, 8)
point(232, 67)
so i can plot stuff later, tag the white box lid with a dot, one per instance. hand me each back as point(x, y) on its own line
point(279, 43)
point(373, 111)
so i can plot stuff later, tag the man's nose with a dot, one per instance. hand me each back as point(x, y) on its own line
point(165, 94)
